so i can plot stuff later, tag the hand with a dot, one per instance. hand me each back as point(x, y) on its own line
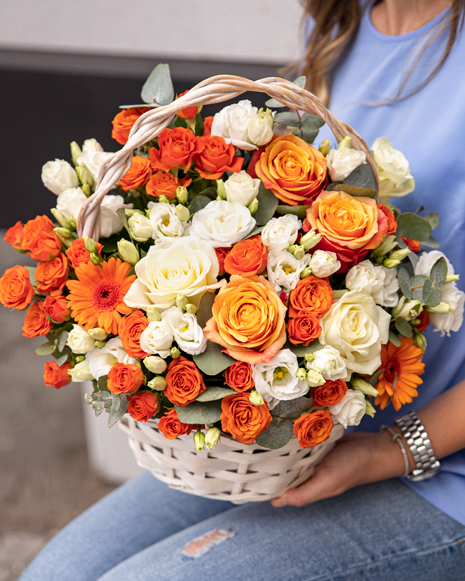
point(356, 459)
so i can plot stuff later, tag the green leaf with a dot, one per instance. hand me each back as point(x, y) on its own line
point(180, 122)
point(198, 203)
point(431, 243)
point(433, 219)
point(288, 118)
point(272, 103)
point(362, 177)
point(352, 190)
point(438, 272)
point(394, 339)
point(158, 88)
point(292, 408)
point(119, 406)
point(214, 393)
point(300, 81)
point(433, 297)
point(420, 209)
point(374, 378)
point(416, 284)
point(62, 359)
point(199, 125)
point(267, 204)
point(411, 226)
point(277, 435)
point(404, 282)
point(309, 128)
point(45, 349)
point(204, 312)
point(62, 338)
point(301, 350)
point(404, 328)
point(299, 211)
point(199, 413)
point(210, 193)
point(254, 232)
point(32, 271)
point(102, 383)
point(213, 361)
point(124, 220)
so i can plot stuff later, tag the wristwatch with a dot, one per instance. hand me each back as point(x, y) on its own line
point(418, 441)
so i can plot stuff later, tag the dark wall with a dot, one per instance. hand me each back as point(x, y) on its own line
point(42, 113)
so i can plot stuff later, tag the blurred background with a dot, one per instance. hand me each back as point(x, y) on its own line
point(65, 67)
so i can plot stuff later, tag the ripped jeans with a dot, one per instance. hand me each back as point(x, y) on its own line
point(145, 531)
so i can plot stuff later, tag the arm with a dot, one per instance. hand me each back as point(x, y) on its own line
point(365, 457)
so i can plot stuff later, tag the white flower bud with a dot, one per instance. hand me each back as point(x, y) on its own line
point(153, 314)
point(260, 128)
point(59, 176)
point(155, 364)
point(80, 372)
point(212, 437)
point(310, 239)
point(79, 341)
point(182, 213)
point(363, 386)
point(256, 398)
point(140, 227)
point(98, 334)
point(199, 441)
point(315, 378)
point(158, 383)
point(128, 251)
point(181, 195)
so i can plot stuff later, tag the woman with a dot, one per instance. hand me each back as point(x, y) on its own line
point(367, 524)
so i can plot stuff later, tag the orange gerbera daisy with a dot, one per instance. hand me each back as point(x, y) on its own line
point(401, 369)
point(97, 297)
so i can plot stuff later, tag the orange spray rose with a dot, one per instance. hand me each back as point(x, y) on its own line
point(188, 112)
point(313, 429)
point(40, 224)
point(14, 236)
point(216, 157)
point(184, 382)
point(130, 329)
point(55, 376)
point(303, 328)
point(78, 253)
point(330, 393)
point(177, 148)
point(312, 294)
point(45, 246)
point(165, 184)
point(137, 175)
point(16, 290)
point(242, 419)
point(239, 376)
point(247, 257)
point(170, 426)
point(123, 122)
point(36, 322)
point(51, 276)
point(125, 378)
point(57, 308)
point(143, 405)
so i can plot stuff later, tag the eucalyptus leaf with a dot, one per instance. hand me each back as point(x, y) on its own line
point(433, 298)
point(62, 338)
point(438, 273)
point(267, 204)
point(277, 435)
point(413, 258)
point(254, 232)
point(394, 339)
point(45, 349)
point(198, 203)
point(362, 177)
point(433, 219)
point(199, 125)
point(292, 408)
point(32, 271)
point(311, 122)
point(404, 282)
point(210, 193)
point(63, 359)
point(124, 220)
point(213, 361)
point(119, 406)
point(204, 312)
point(425, 292)
point(288, 118)
point(300, 81)
point(207, 412)
point(411, 226)
point(158, 88)
point(431, 243)
point(214, 393)
point(272, 103)
point(102, 383)
point(301, 350)
point(420, 209)
point(353, 190)
point(404, 327)
point(299, 211)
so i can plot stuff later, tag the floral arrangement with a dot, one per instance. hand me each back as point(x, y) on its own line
point(246, 282)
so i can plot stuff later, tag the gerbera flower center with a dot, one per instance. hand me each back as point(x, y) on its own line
point(391, 367)
point(106, 295)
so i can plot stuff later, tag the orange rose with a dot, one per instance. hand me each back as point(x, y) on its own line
point(188, 112)
point(78, 253)
point(424, 321)
point(14, 236)
point(44, 246)
point(57, 308)
point(137, 175)
point(239, 376)
point(143, 405)
point(34, 227)
point(170, 426)
point(330, 393)
point(130, 329)
point(52, 276)
point(247, 257)
point(391, 220)
point(242, 419)
point(16, 290)
point(123, 122)
point(313, 295)
point(184, 382)
point(414, 245)
point(165, 184)
point(216, 157)
point(312, 429)
point(177, 148)
point(207, 126)
point(125, 378)
point(303, 328)
point(248, 320)
point(55, 376)
point(350, 226)
point(36, 322)
point(221, 254)
point(292, 169)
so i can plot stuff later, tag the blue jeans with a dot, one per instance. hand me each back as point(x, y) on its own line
point(144, 531)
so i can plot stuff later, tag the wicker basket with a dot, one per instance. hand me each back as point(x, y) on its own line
point(231, 471)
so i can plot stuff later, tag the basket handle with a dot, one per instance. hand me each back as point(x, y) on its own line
point(213, 90)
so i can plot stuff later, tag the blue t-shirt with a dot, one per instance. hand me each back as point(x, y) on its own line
point(429, 128)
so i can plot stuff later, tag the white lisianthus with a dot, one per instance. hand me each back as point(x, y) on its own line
point(164, 221)
point(342, 162)
point(59, 176)
point(260, 129)
point(102, 360)
point(91, 145)
point(81, 372)
point(241, 188)
point(70, 202)
point(187, 332)
point(222, 223)
point(173, 266)
point(284, 269)
point(357, 328)
point(329, 363)
point(351, 409)
point(281, 232)
point(427, 259)
point(94, 159)
point(232, 123)
point(380, 282)
point(140, 227)
point(324, 263)
point(277, 380)
point(157, 338)
point(395, 179)
point(79, 340)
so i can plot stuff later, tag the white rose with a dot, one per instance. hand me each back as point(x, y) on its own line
point(342, 162)
point(351, 409)
point(324, 263)
point(357, 328)
point(260, 129)
point(452, 321)
point(241, 188)
point(81, 372)
point(284, 269)
point(395, 179)
point(91, 145)
point(157, 338)
point(281, 232)
point(174, 266)
point(59, 176)
point(380, 282)
point(222, 223)
point(79, 340)
point(94, 160)
point(70, 202)
point(187, 332)
point(109, 219)
point(164, 221)
point(232, 123)
point(140, 227)
point(277, 379)
point(102, 360)
point(329, 363)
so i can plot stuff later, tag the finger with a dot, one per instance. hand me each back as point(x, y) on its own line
point(315, 488)
point(354, 436)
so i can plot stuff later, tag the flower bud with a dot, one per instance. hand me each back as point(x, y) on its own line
point(100, 344)
point(131, 211)
point(253, 206)
point(190, 308)
point(406, 309)
point(306, 272)
point(345, 143)
point(164, 200)
point(396, 257)
point(325, 147)
point(388, 244)
point(98, 334)
point(199, 441)
point(80, 358)
point(181, 195)
point(221, 190)
point(363, 386)
point(181, 301)
point(72, 224)
point(155, 364)
point(140, 227)
point(297, 250)
point(153, 314)
point(256, 398)
point(301, 373)
point(61, 219)
point(75, 151)
point(451, 278)
point(158, 383)
point(90, 245)
point(128, 251)
point(182, 213)
point(84, 175)
point(441, 309)
point(315, 378)
point(420, 341)
point(86, 189)
point(260, 128)
point(309, 357)
point(212, 437)
point(95, 258)
point(175, 353)
point(369, 410)
point(310, 239)
point(62, 233)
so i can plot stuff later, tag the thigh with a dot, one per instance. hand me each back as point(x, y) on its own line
point(382, 531)
point(137, 515)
